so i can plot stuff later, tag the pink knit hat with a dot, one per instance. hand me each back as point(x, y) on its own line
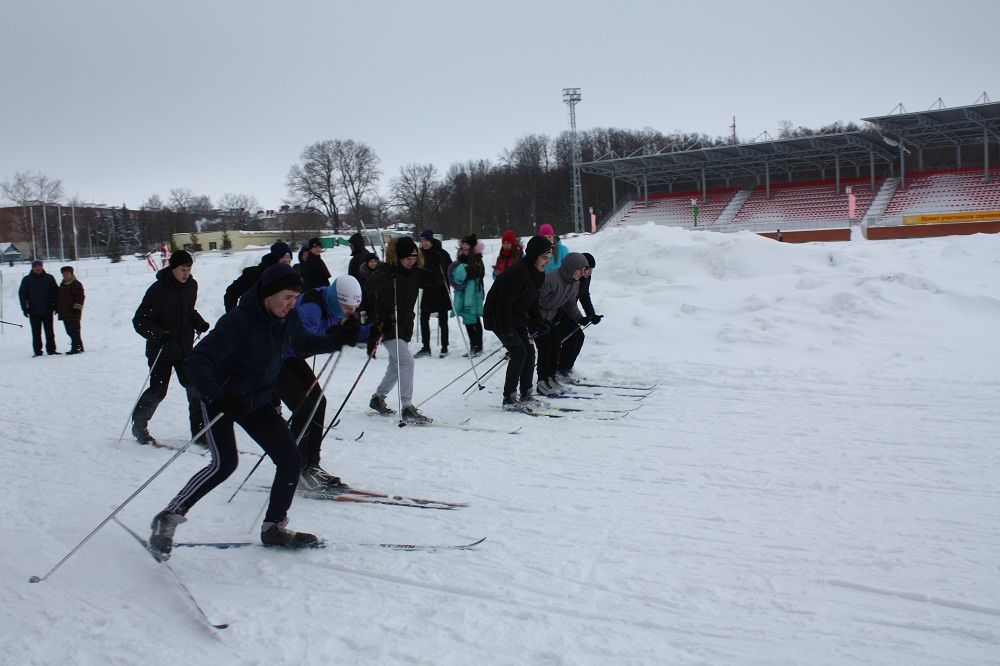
point(546, 230)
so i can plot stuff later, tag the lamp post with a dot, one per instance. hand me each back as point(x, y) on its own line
point(572, 96)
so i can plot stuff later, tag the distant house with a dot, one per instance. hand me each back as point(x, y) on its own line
point(10, 253)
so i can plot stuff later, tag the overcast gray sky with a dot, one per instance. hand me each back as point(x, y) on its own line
point(126, 98)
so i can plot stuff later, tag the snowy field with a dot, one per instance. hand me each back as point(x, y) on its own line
point(814, 480)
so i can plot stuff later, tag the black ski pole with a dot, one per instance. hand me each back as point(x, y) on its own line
point(10, 323)
point(487, 374)
point(38, 579)
point(575, 331)
point(333, 421)
point(461, 333)
point(141, 389)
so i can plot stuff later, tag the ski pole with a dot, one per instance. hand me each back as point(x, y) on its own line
point(38, 579)
point(576, 330)
point(289, 421)
point(480, 362)
point(333, 421)
point(489, 372)
point(141, 389)
point(10, 323)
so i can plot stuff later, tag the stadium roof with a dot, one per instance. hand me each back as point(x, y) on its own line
point(823, 152)
point(942, 127)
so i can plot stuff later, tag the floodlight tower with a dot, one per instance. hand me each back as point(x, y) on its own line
point(571, 96)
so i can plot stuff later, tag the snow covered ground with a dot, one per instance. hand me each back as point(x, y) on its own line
point(813, 481)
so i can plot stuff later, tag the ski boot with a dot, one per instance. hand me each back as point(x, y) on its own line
point(378, 404)
point(275, 534)
point(412, 415)
point(512, 404)
point(316, 479)
point(142, 435)
point(424, 351)
point(161, 539)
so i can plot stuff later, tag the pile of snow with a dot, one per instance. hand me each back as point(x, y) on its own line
point(813, 480)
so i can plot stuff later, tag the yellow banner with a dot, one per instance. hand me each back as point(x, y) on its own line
point(938, 218)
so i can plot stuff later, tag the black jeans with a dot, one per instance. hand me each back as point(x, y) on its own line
point(73, 331)
point(294, 383)
point(159, 381)
point(37, 323)
point(548, 352)
point(571, 347)
point(475, 336)
point(266, 427)
point(425, 328)
point(521, 365)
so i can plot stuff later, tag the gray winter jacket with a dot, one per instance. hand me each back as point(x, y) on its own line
point(559, 291)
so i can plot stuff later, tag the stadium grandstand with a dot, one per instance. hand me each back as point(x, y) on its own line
point(926, 173)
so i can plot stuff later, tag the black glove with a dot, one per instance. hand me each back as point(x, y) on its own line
point(346, 333)
point(236, 405)
point(596, 319)
point(542, 327)
point(165, 337)
point(203, 327)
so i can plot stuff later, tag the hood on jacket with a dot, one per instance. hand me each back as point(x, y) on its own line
point(573, 262)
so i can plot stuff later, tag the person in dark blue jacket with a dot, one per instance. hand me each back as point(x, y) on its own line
point(323, 311)
point(235, 369)
point(38, 302)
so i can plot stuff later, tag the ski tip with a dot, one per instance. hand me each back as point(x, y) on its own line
point(359, 436)
point(34, 579)
point(220, 626)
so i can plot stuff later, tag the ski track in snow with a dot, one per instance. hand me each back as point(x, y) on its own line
point(813, 480)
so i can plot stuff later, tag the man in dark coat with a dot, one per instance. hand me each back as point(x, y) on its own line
point(313, 269)
point(393, 292)
point(69, 306)
point(359, 255)
point(436, 298)
point(235, 369)
point(511, 312)
point(38, 301)
point(280, 252)
point(166, 318)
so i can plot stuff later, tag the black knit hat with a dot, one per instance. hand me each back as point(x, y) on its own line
point(66, 269)
point(405, 247)
point(314, 242)
point(281, 250)
point(180, 258)
point(537, 246)
point(590, 259)
point(278, 278)
point(470, 240)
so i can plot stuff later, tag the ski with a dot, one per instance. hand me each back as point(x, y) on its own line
point(461, 425)
point(617, 386)
point(413, 503)
point(177, 579)
point(371, 493)
point(559, 413)
point(226, 545)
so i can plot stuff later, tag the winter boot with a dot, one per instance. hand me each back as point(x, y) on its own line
point(559, 386)
point(378, 404)
point(512, 404)
point(412, 415)
point(315, 478)
point(444, 352)
point(142, 435)
point(531, 402)
point(424, 351)
point(161, 540)
point(275, 534)
point(543, 387)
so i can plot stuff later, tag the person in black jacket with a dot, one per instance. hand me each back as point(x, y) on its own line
point(393, 291)
point(280, 252)
point(38, 301)
point(571, 348)
point(313, 268)
point(511, 311)
point(167, 319)
point(359, 255)
point(69, 307)
point(435, 299)
point(235, 370)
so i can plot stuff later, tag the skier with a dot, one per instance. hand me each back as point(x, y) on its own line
point(280, 252)
point(574, 343)
point(510, 252)
point(559, 251)
point(167, 319)
point(393, 291)
point(510, 311)
point(38, 301)
point(313, 269)
point(235, 369)
point(359, 255)
point(324, 311)
point(69, 307)
point(436, 261)
point(467, 279)
point(557, 302)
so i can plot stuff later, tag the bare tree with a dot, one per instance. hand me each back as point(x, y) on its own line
point(357, 172)
point(153, 203)
point(181, 199)
point(313, 183)
point(239, 208)
point(29, 188)
point(417, 192)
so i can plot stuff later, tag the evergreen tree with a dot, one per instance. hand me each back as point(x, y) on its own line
point(195, 243)
point(227, 243)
